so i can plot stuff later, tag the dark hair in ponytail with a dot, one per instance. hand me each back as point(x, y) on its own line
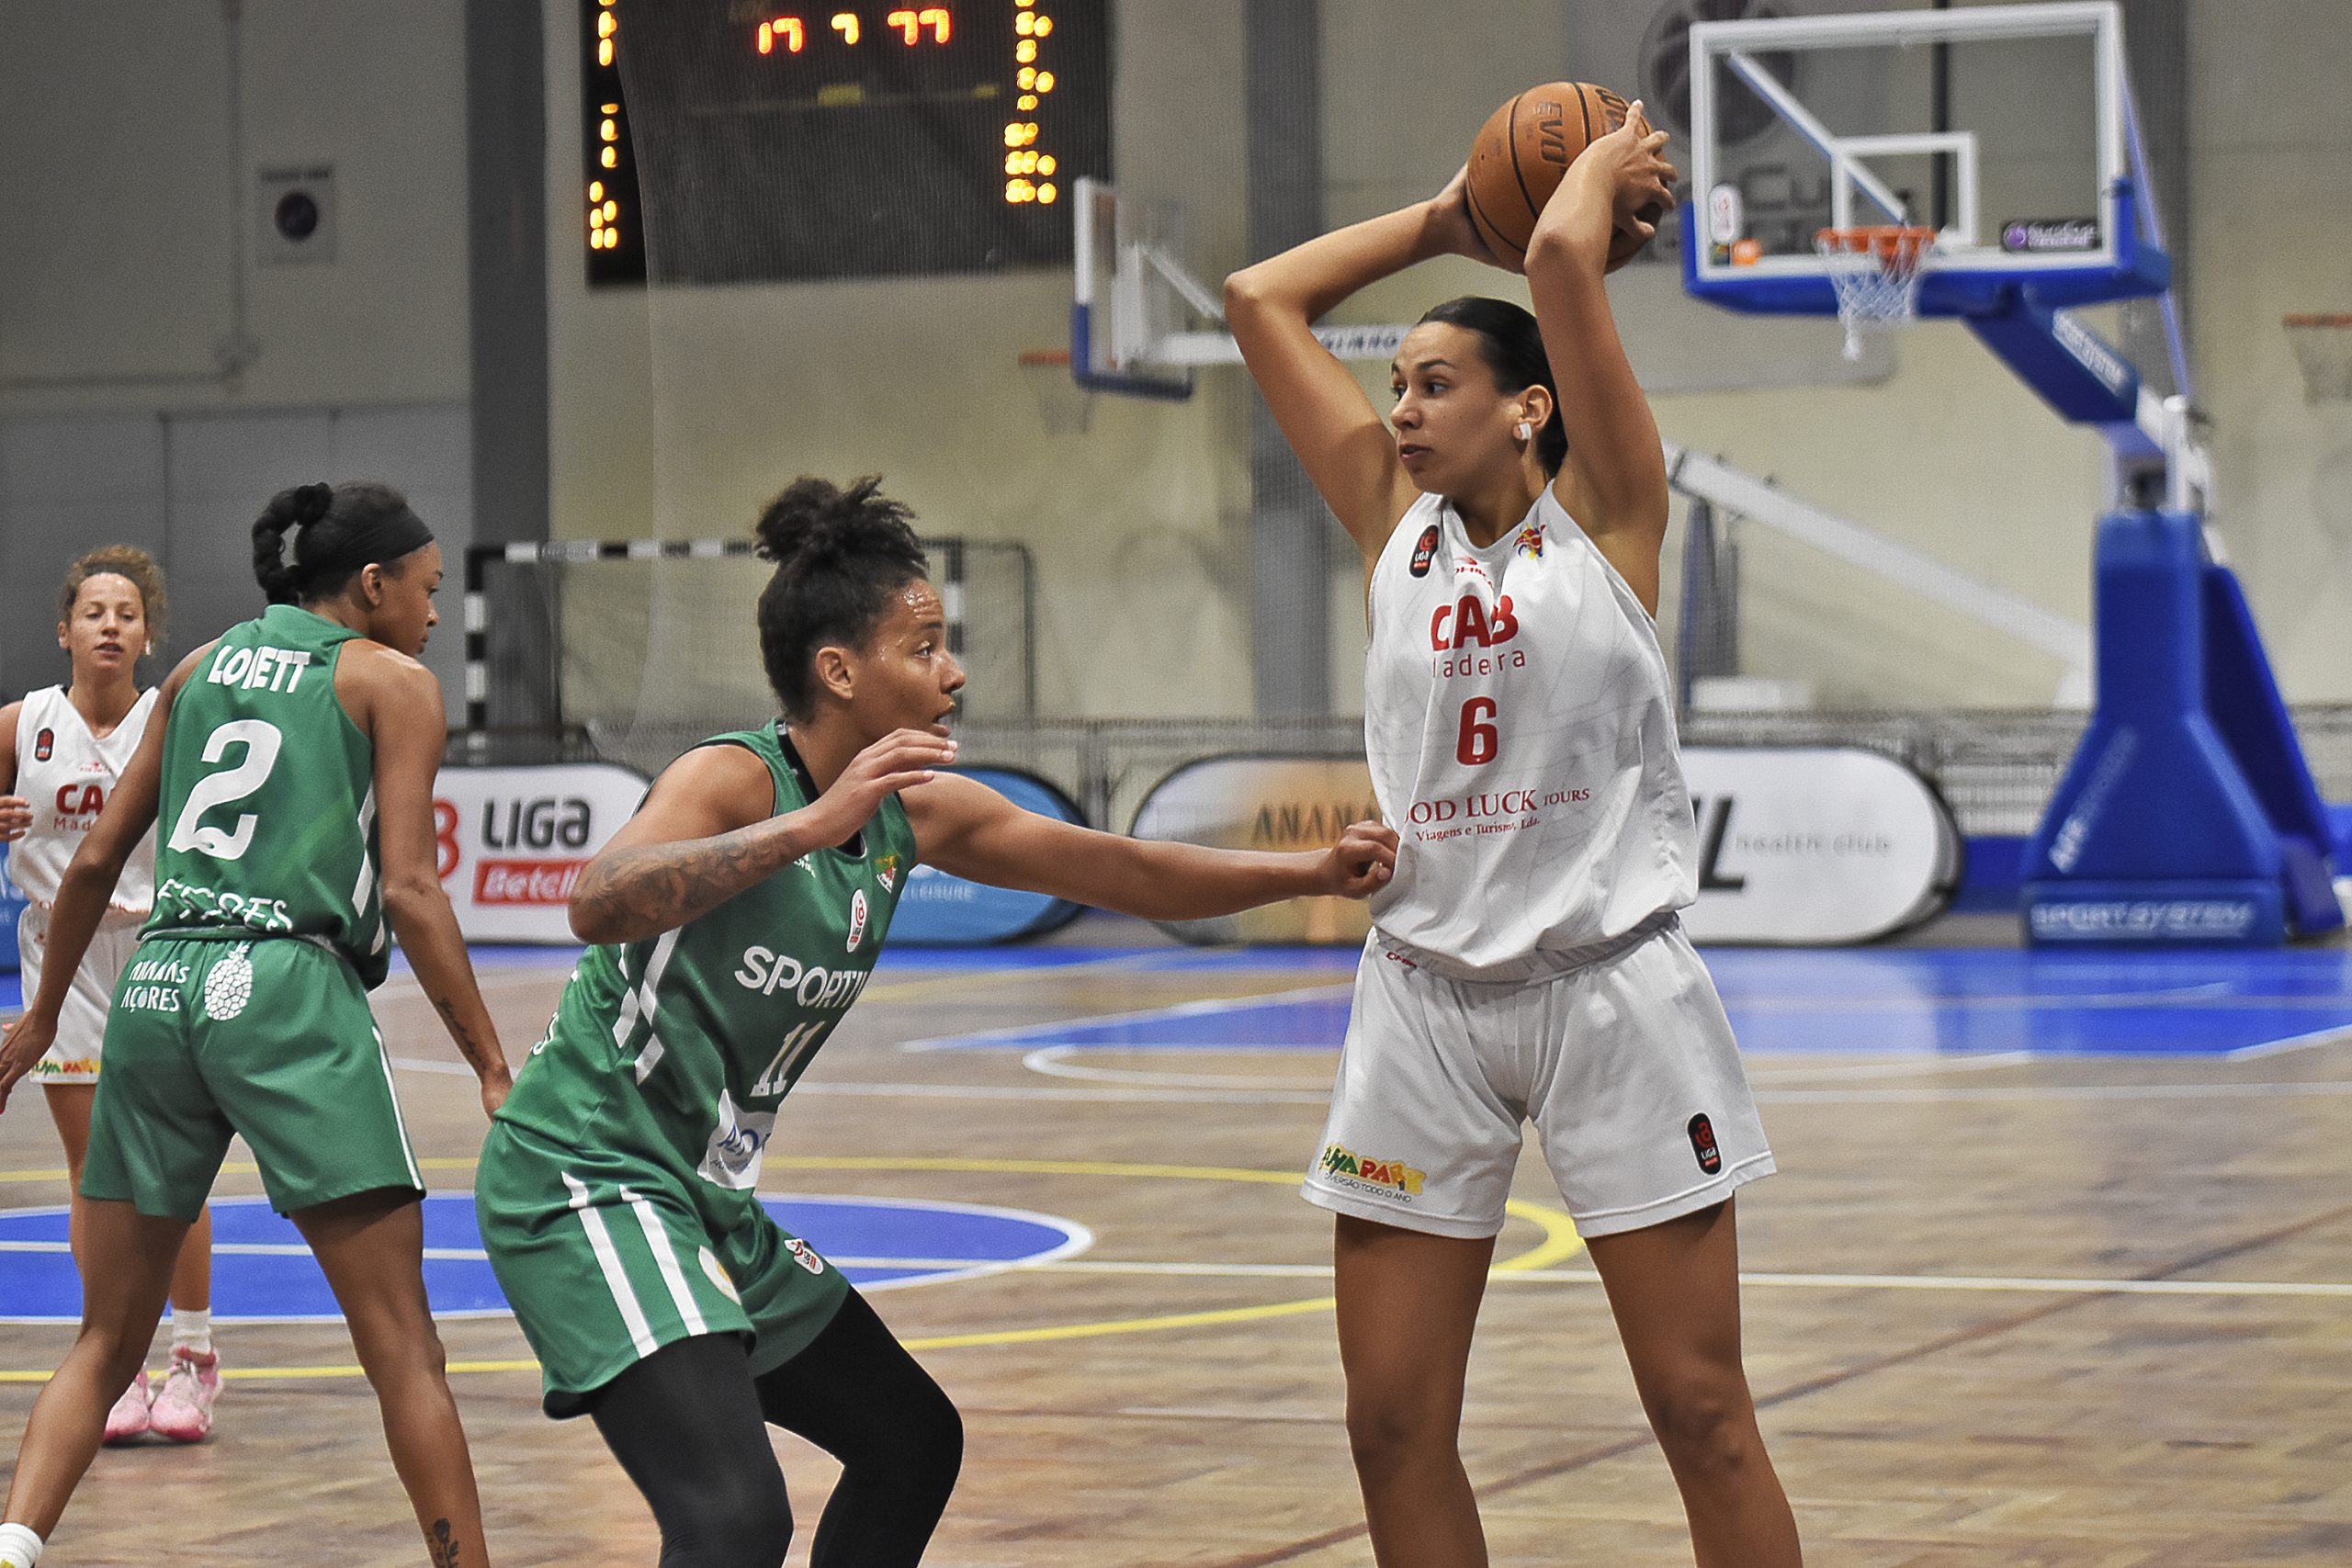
point(337, 529)
point(841, 555)
point(1513, 347)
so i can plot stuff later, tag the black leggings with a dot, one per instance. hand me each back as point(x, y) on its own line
point(689, 1425)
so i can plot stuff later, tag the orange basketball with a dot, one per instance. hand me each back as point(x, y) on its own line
point(1520, 156)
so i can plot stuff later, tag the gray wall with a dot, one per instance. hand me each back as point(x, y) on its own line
point(134, 136)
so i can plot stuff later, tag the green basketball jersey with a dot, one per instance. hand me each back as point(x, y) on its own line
point(266, 824)
point(677, 1049)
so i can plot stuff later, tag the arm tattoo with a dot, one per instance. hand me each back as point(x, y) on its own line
point(480, 1053)
point(444, 1545)
point(656, 887)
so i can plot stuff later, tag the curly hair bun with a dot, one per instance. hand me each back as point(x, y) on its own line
point(816, 520)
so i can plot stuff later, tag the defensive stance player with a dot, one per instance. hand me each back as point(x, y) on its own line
point(737, 917)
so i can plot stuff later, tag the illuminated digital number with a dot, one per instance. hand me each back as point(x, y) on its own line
point(785, 31)
point(845, 24)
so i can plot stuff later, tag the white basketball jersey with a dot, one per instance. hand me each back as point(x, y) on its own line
point(1520, 724)
point(69, 774)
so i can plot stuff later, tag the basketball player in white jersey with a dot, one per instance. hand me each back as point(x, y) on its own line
point(1526, 963)
point(61, 750)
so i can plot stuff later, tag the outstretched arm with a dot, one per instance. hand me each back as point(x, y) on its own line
point(967, 830)
point(1613, 483)
point(1339, 436)
point(707, 833)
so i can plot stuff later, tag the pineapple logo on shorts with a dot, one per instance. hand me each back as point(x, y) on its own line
point(230, 986)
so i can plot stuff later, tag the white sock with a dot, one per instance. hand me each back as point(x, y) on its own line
point(192, 1330)
point(19, 1547)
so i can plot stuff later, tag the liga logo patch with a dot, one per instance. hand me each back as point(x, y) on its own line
point(803, 1254)
point(1424, 551)
point(45, 745)
point(1365, 1170)
point(1702, 1144)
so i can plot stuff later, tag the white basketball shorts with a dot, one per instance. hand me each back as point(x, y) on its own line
point(73, 1056)
point(1626, 1065)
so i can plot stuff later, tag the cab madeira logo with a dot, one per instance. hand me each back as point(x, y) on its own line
point(1397, 1176)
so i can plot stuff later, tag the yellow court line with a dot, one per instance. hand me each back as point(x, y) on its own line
point(1560, 1241)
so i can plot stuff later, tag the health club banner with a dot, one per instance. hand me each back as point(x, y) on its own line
point(1809, 846)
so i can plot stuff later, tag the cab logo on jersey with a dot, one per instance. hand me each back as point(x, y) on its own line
point(1702, 1144)
point(1390, 1176)
point(803, 1254)
point(44, 744)
point(856, 918)
point(1424, 551)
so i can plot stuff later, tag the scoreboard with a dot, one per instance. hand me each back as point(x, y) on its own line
point(743, 140)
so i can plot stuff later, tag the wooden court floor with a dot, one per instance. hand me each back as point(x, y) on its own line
point(2072, 1313)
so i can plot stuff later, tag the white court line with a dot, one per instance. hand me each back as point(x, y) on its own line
point(1999, 1282)
point(1053, 1061)
point(1764, 1095)
point(2028, 1285)
point(1026, 1033)
point(2292, 1042)
point(1897, 1068)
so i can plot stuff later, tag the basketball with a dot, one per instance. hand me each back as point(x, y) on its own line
point(1520, 156)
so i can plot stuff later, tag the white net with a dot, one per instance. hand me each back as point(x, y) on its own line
point(1875, 271)
point(2323, 348)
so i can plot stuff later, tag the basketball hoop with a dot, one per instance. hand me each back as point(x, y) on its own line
point(1876, 270)
point(1065, 407)
point(2324, 347)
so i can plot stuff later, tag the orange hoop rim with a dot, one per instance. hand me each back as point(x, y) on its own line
point(2321, 318)
point(1892, 243)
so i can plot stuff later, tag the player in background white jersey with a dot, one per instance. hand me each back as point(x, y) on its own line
point(1526, 963)
point(61, 750)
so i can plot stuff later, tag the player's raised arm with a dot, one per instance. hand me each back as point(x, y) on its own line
point(1613, 481)
point(1339, 436)
point(967, 830)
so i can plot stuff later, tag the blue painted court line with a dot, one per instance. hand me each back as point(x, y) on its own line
point(262, 1272)
point(1866, 1001)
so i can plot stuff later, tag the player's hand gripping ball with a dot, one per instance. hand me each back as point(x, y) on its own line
point(1523, 151)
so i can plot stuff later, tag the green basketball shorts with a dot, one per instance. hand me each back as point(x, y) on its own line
point(606, 1256)
point(270, 1041)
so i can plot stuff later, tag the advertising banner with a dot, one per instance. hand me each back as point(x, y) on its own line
point(1809, 847)
point(512, 842)
point(1814, 846)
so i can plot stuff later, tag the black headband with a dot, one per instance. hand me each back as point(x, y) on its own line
point(386, 538)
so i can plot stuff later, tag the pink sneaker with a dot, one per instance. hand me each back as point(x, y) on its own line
point(183, 1407)
point(130, 1417)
